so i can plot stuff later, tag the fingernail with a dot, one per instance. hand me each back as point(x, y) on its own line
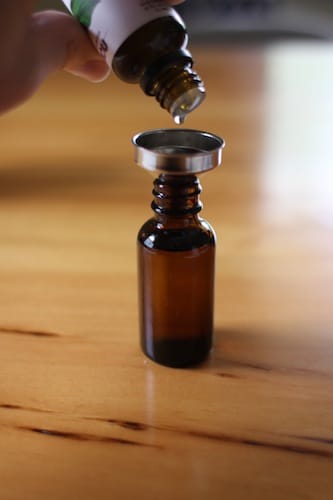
point(95, 70)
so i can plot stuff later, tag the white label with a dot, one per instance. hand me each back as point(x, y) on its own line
point(110, 22)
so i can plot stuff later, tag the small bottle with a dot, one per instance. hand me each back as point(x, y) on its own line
point(145, 42)
point(176, 248)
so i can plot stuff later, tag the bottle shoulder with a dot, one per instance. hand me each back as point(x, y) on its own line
point(145, 45)
point(176, 237)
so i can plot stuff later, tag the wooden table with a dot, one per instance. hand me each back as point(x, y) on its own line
point(83, 414)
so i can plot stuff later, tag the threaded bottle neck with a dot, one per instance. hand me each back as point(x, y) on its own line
point(179, 91)
point(176, 87)
point(176, 195)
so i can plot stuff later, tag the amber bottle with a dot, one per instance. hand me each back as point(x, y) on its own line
point(155, 56)
point(176, 259)
point(145, 42)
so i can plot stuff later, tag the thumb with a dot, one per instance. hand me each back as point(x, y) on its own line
point(60, 42)
point(44, 43)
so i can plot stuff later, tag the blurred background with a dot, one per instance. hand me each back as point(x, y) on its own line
point(236, 19)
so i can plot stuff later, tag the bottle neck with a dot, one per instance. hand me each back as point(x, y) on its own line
point(176, 197)
point(176, 87)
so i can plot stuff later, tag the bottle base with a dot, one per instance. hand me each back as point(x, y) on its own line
point(178, 353)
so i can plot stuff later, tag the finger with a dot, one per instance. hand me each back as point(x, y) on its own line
point(51, 41)
point(61, 43)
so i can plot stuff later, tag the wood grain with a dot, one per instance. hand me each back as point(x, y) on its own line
point(83, 414)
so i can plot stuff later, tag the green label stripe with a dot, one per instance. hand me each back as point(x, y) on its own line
point(83, 9)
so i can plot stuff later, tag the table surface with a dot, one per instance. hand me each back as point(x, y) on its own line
point(83, 414)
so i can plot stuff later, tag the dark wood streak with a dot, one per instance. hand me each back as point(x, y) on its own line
point(222, 438)
point(140, 426)
point(253, 366)
point(227, 375)
point(33, 333)
point(315, 439)
point(7, 406)
point(272, 369)
point(76, 436)
point(263, 444)
point(126, 424)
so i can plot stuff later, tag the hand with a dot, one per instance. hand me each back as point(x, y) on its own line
point(35, 45)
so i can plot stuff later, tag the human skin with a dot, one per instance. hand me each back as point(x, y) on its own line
point(34, 45)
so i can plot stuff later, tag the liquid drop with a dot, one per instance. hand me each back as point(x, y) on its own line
point(179, 119)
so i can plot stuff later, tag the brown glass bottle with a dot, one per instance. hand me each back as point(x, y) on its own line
point(145, 42)
point(155, 56)
point(176, 260)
